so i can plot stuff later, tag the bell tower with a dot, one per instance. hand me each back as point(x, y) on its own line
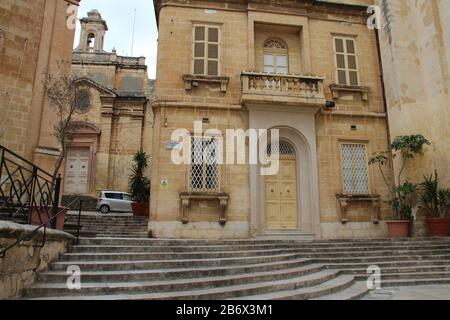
point(93, 29)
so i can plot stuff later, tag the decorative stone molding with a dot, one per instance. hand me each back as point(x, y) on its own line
point(191, 81)
point(187, 197)
point(336, 88)
point(344, 200)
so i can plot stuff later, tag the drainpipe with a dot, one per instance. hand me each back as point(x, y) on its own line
point(383, 89)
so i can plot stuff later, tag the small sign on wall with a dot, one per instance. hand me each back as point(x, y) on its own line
point(164, 184)
point(172, 145)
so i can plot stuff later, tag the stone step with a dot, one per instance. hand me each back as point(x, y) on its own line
point(409, 276)
point(128, 235)
point(183, 242)
point(213, 292)
point(379, 259)
point(305, 293)
point(105, 220)
point(91, 288)
point(174, 249)
point(355, 292)
point(82, 233)
point(389, 264)
point(212, 248)
point(130, 255)
point(414, 282)
point(175, 273)
point(400, 270)
point(170, 255)
point(150, 264)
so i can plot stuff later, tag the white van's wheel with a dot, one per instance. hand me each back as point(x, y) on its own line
point(104, 209)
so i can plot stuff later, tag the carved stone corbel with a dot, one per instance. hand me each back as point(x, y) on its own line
point(342, 210)
point(223, 201)
point(185, 209)
point(376, 215)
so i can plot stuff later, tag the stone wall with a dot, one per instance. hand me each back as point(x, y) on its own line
point(30, 47)
point(19, 267)
point(417, 79)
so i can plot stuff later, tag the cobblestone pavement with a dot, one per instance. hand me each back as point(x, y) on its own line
point(425, 292)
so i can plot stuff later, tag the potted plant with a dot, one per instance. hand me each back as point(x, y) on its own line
point(139, 185)
point(436, 202)
point(403, 193)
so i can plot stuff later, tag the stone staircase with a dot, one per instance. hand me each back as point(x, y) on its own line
point(111, 225)
point(116, 269)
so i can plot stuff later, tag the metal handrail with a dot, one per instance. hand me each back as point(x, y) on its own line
point(23, 159)
point(30, 234)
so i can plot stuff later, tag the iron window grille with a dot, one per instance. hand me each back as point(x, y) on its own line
point(204, 175)
point(355, 171)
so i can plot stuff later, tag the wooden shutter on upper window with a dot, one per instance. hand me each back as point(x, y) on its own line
point(346, 61)
point(199, 50)
point(206, 50)
point(213, 51)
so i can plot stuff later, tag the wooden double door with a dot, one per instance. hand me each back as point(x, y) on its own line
point(77, 171)
point(281, 196)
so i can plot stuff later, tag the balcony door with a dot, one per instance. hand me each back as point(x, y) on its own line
point(275, 57)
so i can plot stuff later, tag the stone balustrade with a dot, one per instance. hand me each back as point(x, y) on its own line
point(285, 85)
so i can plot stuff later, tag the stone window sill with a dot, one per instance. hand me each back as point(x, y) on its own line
point(191, 81)
point(336, 88)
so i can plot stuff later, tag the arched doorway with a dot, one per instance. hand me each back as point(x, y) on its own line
point(281, 190)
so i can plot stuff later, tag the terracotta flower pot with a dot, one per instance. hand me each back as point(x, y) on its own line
point(140, 209)
point(39, 215)
point(398, 229)
point(438, 227)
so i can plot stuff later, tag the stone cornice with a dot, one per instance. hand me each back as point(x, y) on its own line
point(280, 6)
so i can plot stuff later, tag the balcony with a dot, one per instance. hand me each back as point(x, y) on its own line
point(266, 88)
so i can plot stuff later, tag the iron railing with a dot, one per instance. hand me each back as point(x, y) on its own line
point(28, 194)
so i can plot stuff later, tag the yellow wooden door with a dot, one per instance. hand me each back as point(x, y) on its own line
point(281, 197)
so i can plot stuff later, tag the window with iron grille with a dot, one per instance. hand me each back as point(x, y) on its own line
point(206, 50)
point(346, 63)
point(354, 167)
point(204, 172)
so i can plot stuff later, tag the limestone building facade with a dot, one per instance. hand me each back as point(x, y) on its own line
point(34, 37)
point(265, 65)
point(119, 120)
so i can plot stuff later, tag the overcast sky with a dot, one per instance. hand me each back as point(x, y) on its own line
point(119, 15)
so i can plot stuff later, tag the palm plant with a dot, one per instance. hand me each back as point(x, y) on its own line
point(436, 201)
point(139, 184)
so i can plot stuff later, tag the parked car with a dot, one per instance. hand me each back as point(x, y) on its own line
point(114, 201)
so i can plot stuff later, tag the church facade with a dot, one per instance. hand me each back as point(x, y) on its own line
point(118, 122)
point(307, 68)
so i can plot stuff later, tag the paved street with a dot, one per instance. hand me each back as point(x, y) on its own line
point(425, 292)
